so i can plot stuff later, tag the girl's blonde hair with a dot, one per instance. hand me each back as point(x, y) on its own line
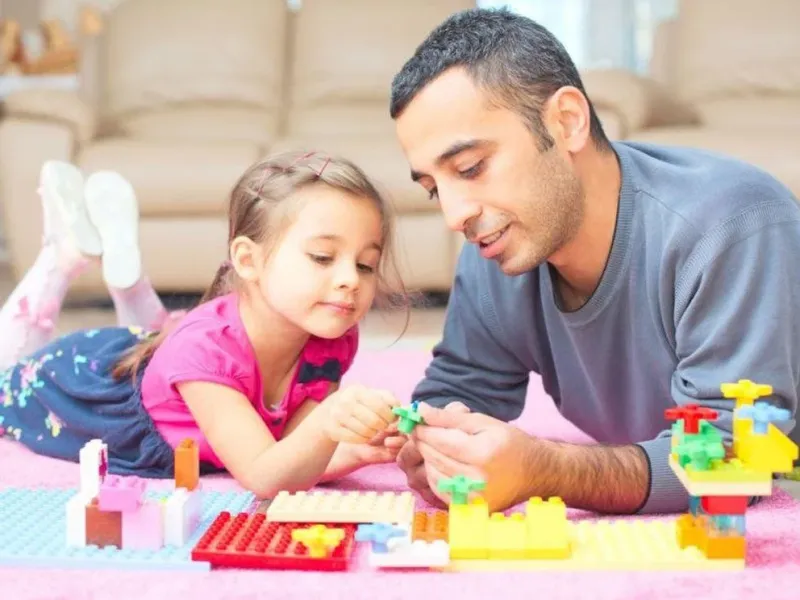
point(260, 209)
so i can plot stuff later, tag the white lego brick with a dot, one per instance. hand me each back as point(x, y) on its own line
point(342, 507)
point(181, 516)
point(76, 520)
point(403, 554)
point(94, 466)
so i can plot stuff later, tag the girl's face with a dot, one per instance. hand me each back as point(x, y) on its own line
point(323, 275)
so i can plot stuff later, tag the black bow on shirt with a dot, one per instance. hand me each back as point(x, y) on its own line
point(330, 370)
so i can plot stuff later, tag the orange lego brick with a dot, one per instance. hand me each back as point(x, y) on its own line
point(187, 465)
point(103, 528)
point(430, 527)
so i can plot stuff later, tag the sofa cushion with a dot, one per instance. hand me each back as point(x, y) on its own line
point(158, 53)
point(174, 178)
point(776, 113)
point(772, 151)
point(380, 157)
point(202, 123)
point(724, 47)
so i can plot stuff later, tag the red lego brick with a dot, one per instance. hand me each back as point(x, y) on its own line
point(103, 528)
point(249, 541)
point(724, 505)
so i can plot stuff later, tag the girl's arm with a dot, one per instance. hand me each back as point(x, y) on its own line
point(249, 451)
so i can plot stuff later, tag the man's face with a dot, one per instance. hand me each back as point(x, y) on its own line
point(492, 182)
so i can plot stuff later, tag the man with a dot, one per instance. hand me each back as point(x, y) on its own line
point(632, 278)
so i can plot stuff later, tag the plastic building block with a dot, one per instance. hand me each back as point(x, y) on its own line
point(405, 554)
point(459, 487)
point(187, 465)
point(342, 507)
point(691, 414)
point(773, 452)
point(429, 527)
point(143, 529)
point(610, 545)
point(732, 470)
point(409, 418)
point(469, 525)
point(507, 536)
point(75, 516)
point(547, 528)
point(103, 528)
point(34, 531)
point(251, 541)
point(762, 414)
point(93, 466)
point(745, 391)
point(181, 516)
point(379, 534)
point(319, 540)
point(724, 505)
point(720, 488)
point(123, 494)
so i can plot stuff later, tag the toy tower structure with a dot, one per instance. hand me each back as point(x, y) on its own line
point(722, 482)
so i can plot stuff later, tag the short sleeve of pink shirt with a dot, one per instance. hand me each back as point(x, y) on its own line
point(210, 344)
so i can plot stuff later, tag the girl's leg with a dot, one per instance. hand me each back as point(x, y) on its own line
point(113, 208)
point(28, 318)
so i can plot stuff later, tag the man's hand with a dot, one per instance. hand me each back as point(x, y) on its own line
point(411, 462)
point(476, 446)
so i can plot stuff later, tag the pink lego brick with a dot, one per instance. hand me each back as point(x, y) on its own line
point(122, 494)
point(143, 529)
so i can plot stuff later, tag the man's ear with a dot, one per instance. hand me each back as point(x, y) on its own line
point(246, 257)
point(568, 118)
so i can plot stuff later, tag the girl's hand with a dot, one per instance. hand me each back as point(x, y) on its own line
point(358, 415)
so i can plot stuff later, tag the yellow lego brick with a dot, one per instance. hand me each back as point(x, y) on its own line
point(508, 536)
point(548, 528)
point(771, 453)
point(615, 546)
point(342, 507)
point(720, 488)
point(469, 529)
point(745, 391)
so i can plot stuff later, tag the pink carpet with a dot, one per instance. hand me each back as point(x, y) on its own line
point(773, 529)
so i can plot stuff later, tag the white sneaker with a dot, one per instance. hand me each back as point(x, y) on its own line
point(114, 210)
point(65, 213)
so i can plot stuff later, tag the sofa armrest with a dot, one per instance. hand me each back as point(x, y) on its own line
point(24, 146)
point(62, 107)
point(640, 102)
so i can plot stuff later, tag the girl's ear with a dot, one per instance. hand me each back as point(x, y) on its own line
point(246, 256)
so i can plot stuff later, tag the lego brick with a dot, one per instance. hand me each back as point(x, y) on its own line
point(75, 520)
point(469, 530)
point(405, 554)
point(547, 528)
point(342, 507)
point(252, 541)
point(187, 465)
point(181, 516)
point(614, 546)
point(724, 505)
point(507, 536)
point(430, 526)
point(34, 530)
point(103, 528)
point(93, 466)
point(732, 470)
point(772, 452)
point(143, 529)
point(121, 494)
point(720, 488)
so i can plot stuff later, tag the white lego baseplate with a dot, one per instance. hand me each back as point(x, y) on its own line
point(404, 554)
point(342, 507)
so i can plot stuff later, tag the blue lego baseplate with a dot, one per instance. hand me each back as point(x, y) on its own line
point(33, 533)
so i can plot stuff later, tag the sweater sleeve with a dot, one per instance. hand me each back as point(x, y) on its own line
point(736, 317)
point(469, 364)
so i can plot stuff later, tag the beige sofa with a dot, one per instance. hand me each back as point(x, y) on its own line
point(181, 96)
point(725, 76)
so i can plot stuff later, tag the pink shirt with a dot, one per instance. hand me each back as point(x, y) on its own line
point(210, 344)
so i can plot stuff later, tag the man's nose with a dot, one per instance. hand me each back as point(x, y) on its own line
point(458, 210)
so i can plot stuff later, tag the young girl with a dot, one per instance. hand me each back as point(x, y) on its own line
point(246, 372)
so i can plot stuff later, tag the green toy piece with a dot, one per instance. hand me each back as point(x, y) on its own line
point(459, 487)
point(409, 418)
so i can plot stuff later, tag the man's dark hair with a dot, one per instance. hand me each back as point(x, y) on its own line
point(517, 61)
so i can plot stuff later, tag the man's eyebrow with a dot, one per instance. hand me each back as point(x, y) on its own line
point(338, 238)
point(454, 150)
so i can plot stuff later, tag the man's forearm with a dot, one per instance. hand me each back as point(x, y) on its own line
point(608, 479)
